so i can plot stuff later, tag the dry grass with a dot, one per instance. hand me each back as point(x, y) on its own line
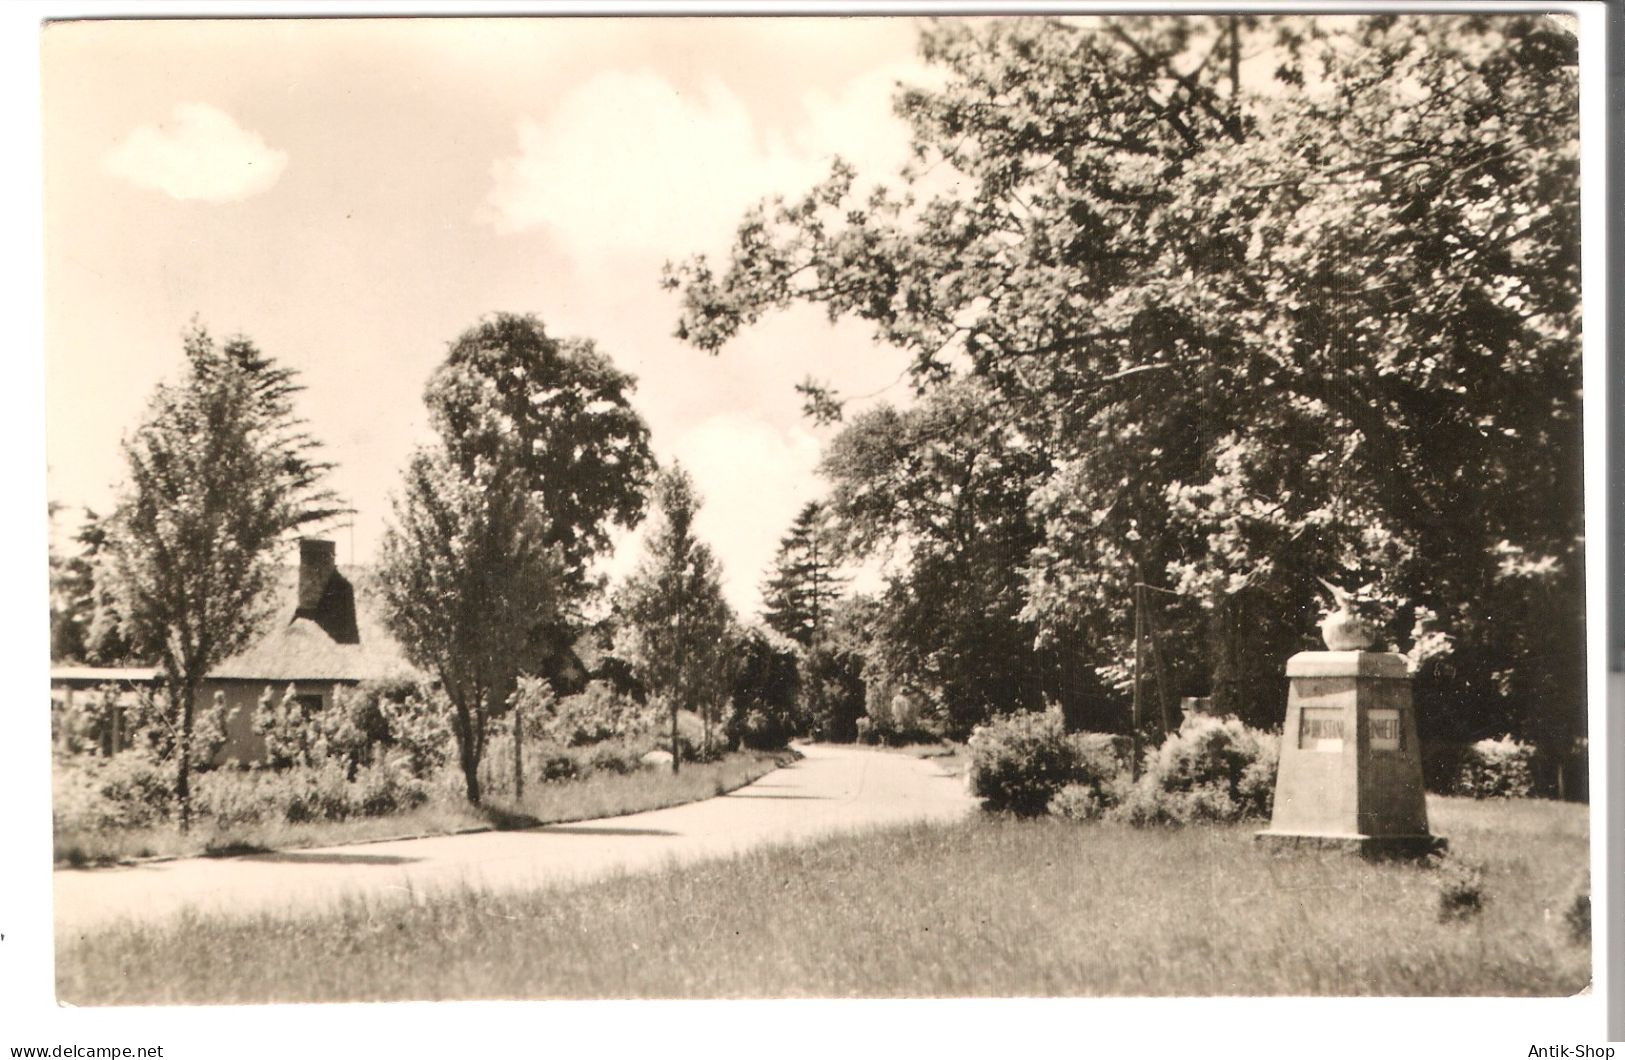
point(987, 907)
point(447, 812)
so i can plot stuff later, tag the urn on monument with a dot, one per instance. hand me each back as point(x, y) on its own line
point(1343, 629)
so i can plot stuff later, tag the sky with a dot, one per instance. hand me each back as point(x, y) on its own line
point(353, 194)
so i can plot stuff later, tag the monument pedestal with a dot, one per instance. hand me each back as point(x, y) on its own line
point(1351, 768)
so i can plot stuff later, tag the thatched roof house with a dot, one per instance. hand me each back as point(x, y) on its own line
point(328, 627)
point(327, 633)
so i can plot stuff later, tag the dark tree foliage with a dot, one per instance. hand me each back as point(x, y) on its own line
point(84, 624)
point(833, 686)
point(1275, 297)
point(944, 484)
point(765, 698)
point(805, 581)
point(583, 450)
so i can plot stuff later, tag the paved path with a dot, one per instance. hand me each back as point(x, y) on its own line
point(833, 789)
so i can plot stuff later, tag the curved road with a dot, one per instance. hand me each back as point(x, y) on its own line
point(833, 789)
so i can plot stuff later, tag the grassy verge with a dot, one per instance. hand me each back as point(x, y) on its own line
point(925, 750)
point(988, 907)
point(947, 756)
point(598, 795)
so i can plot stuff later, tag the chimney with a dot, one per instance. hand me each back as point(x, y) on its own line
point(317, 562)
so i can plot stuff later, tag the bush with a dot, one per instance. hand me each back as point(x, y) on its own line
point(317, 794)
point(232, 798)
point(1078, 802)
point(595, 714)
point(139, 787)
point(1496, 769)
point(561, 766)
point(884, 731)
point(1019, 762)
point(358, 724)
point(759, 732)
point(292, 732)
point(690, 738)
point(1577, 914)
point(1212, 769)
point(615, 758)
point(1145, 803)
point(378, 791)
point(129, 790)
point(323, 794)
point(419, 732)
point(1461, 889)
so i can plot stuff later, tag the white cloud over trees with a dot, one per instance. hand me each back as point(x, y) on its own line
point(625, 162)
point(199, 153)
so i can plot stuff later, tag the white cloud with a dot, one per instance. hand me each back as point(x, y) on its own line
point(199, 153)
point(626, 163)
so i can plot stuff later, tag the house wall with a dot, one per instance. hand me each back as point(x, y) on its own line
point(243, 744)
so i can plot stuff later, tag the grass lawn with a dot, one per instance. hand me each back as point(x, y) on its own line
point(447, 811)
point(989, 906)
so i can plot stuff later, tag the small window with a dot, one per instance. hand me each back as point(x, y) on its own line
point(309, 703)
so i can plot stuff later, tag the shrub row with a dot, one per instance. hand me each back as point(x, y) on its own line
point(1212, 769)
point(132, 790)
point(1496, 769)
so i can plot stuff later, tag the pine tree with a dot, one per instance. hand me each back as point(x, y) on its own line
point(804, 582)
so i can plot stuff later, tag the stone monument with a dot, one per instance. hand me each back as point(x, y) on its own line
point(1351, 767)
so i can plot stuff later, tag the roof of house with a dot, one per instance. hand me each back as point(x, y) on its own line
point(97, 675)
point(341, 638)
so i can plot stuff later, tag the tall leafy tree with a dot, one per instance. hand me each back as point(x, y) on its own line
point(805, 581)
point(220, 472)
point(565, 411)
point(833, 670)
point(465, 570)
point(941, 488)
point(84, 617)
point(557, 415)
point(765, 692)
point(674, 621)
point(1279, 297)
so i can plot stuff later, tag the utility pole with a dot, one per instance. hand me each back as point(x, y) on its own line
point(1139, 636)
point(518, 750)
point(1164, 706)
point(677, 686)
